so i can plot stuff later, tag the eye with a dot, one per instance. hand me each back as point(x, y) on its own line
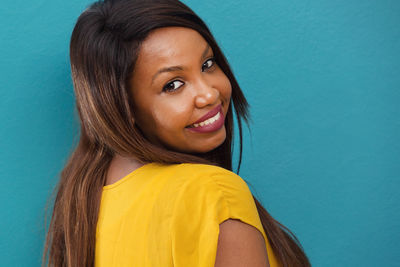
point(208, 64)
point(172, 86)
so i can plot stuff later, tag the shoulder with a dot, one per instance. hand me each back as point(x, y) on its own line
point(197, 168)
point(205, 182)
point(232, 186)
point(207, 188)
point(209, 175)
point(209, 201)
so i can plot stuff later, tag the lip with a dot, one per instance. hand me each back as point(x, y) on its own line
point(209, 114)
point(215, 126)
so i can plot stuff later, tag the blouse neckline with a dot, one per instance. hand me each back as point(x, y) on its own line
point(129, 176)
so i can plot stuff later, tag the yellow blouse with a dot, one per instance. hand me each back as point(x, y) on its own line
point(169, 215)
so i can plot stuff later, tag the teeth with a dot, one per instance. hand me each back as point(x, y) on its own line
point(208, 121)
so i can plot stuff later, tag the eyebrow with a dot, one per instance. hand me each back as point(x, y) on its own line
point(177, 68)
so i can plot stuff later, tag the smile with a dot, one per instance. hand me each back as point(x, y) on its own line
point(212, 124)
point(206, 122)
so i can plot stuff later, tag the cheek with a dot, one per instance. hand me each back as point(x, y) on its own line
point(172, 115)
point(225, 86)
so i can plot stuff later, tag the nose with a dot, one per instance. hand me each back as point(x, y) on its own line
point(205, 94)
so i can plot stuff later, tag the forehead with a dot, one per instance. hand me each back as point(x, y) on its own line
point(166, 44)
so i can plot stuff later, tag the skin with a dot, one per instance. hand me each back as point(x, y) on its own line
point(197, 87)
point(240, 245)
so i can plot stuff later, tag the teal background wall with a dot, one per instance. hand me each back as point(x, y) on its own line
point(322, 78)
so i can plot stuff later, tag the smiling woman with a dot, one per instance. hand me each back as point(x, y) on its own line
point(176, 84)
point(150, 182)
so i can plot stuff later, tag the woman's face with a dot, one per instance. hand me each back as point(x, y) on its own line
point(176, 82)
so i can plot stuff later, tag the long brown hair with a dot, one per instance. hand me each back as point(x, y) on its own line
point(103, 50)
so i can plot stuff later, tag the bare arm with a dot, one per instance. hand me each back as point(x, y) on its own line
point(240, 245)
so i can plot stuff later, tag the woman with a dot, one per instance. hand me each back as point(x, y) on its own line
point(150, 182)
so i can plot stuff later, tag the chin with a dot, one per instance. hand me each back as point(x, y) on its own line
point(199, 146)
point(200, 149)
point(205, 149)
